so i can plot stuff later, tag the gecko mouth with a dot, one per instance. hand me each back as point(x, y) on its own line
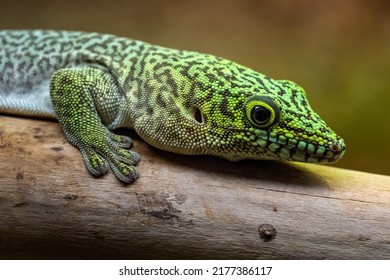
point(320, 154)
point(299, 150)
point(309, 152)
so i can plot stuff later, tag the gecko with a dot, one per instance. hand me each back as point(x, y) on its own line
point(179, 101)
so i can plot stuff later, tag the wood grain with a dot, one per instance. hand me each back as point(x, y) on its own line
point(181, 207)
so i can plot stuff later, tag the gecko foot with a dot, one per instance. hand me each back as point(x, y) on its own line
point(113, 152)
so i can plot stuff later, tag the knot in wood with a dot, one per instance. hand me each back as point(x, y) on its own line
point(267, 232)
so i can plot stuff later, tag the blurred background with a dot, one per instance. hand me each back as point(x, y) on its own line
point(338, 50)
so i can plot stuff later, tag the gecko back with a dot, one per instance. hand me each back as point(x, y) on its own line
point(28, 59)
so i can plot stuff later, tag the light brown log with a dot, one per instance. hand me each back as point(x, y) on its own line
point(182, 207)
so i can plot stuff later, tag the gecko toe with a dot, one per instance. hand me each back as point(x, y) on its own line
point(122, 163)
point(125, 156)
point(94, 162)
point(125, 173)
point(121, 140)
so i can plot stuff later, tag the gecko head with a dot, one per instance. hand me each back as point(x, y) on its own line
point(202, 104)
point(247, 115)
point(284, 126)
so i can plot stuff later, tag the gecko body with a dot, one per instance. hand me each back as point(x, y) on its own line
point(179, 101)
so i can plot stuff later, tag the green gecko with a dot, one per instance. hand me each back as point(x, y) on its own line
point(179, 101)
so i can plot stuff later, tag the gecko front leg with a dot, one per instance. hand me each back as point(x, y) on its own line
point(82, 98)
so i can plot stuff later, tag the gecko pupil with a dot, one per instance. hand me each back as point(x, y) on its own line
point(260, 114)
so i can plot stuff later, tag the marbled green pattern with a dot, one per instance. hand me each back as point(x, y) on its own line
point(180, 101)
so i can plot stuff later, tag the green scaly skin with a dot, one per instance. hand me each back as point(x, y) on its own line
point(179, 101)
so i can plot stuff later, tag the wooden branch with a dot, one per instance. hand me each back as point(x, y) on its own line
point(181, 207)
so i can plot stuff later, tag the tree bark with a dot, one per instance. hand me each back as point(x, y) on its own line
point(182, 207)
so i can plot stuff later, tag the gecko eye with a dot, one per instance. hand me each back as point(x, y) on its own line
point(262, 111)
point(260, 115)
